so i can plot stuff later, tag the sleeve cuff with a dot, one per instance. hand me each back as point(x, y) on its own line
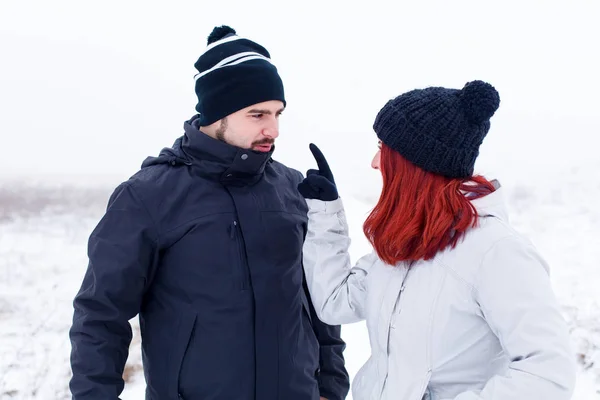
point(327, 207)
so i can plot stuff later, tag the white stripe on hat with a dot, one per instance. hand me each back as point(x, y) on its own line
point(234, 57)
point(221, 41)
point(234, 60)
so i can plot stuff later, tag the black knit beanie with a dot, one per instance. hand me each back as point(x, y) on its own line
point(439, 129)
point(233, 73)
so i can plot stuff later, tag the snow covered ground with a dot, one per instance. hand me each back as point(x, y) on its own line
point(43, 234)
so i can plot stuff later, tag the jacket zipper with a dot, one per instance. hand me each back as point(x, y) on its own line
point(397, 307)
point(237, 236)
point(392, 325)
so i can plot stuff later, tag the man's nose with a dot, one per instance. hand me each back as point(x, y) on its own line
point(272, 129)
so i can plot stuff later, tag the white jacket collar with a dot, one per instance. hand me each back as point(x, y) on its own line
point(493, 204)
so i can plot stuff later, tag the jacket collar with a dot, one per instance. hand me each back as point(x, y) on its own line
point(493, 204)
point(221, 161)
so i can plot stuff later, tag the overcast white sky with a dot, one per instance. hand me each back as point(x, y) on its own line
point(92, 88)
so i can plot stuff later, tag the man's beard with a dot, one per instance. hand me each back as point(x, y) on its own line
point(220, 133)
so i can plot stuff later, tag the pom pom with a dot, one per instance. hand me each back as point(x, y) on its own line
point(481, 100)
point(219, 33)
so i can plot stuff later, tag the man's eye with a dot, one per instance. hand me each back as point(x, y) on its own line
point(257, 116)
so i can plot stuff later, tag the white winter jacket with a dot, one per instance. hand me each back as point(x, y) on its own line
point(479, 321)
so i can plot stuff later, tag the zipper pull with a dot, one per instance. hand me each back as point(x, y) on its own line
point(232, 229)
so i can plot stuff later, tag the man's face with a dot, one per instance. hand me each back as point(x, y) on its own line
point(255, 127)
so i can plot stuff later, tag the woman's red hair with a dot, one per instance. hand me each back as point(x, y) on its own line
point(420, 213)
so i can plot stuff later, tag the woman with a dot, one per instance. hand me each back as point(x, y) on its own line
point(458, 305)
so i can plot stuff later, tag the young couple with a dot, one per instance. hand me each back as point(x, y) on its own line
point(239, 270)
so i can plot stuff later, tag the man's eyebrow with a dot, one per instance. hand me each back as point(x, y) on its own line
point(267, 112)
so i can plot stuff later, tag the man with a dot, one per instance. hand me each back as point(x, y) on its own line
point(205, 243)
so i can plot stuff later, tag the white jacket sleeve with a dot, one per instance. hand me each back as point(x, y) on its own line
point(515, 295)
point(338, 291)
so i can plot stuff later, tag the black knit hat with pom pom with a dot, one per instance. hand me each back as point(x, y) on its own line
point(233, 73)
point(439, 129)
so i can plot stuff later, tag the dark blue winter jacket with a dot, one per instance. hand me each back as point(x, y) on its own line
point(205, 243)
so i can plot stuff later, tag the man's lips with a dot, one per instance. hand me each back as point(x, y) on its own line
point(265, 147)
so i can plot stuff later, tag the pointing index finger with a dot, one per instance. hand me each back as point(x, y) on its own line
point(320, 158)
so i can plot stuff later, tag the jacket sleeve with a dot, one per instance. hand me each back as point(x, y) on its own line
point(337, 290)
point(334, 382)
point(514, 292)
point(122, 254)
